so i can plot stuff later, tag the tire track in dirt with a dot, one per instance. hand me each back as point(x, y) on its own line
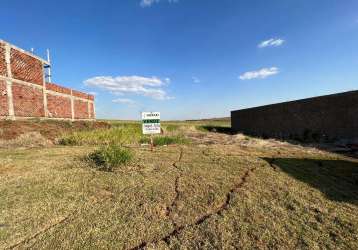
point(217, 211)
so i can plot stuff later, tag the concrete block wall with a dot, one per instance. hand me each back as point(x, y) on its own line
point(25, 94)
point(332, 117)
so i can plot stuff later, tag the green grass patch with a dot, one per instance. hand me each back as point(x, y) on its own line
point(110, 157)
point(165, 140)
point(171, 127)
point(121, 134)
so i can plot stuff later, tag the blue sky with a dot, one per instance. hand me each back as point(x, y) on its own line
point(191, 58)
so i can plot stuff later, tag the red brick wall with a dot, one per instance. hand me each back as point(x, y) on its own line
point(80, 94)
point(58, 88)
point(81, 109)
point(91, 110)
point(59, 106)
point(4, 108)
point(28, 97)
point(3, 70)
point(28, 101)
point(26, 68)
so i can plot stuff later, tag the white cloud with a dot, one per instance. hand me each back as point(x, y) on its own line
point(124, 101)
point(151, 87)
point(148, 3)
point(196, 79)
point(93, 93)
point(262, 73)
point(271, 43)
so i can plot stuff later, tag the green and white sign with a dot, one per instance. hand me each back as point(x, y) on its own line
point(151, 123)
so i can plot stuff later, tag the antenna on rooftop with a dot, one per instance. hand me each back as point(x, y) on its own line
point(48, 67)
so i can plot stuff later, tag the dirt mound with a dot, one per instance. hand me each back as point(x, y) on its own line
point(27, 140)
point(50, 130)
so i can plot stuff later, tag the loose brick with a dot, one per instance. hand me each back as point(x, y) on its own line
point(28, 101)
point(4, 108)
point(26, 68)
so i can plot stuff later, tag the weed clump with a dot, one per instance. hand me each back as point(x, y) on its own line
point(109, 157)
point(68, 141)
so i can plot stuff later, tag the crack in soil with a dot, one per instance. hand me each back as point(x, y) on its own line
point(218, 211)
point(170, 209)
point(181, 154)
point(58, 223)
point(43, 230)
point(179, 160)
point(173, 205)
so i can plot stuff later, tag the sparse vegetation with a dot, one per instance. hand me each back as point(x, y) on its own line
point(220, 191)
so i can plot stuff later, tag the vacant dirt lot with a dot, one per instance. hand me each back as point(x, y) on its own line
point(218, 192)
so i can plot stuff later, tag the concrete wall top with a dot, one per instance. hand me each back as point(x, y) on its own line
point(310, 99)
point(328, 117)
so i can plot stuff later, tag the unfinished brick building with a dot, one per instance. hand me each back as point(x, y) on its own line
point(25, 93)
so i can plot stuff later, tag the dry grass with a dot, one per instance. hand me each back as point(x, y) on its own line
point(221, 192)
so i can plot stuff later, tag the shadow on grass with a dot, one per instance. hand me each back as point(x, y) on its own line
point(311, 140)
point(217, 129)
point(337, 179)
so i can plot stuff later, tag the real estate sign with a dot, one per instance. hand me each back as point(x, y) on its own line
point(151, 123)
